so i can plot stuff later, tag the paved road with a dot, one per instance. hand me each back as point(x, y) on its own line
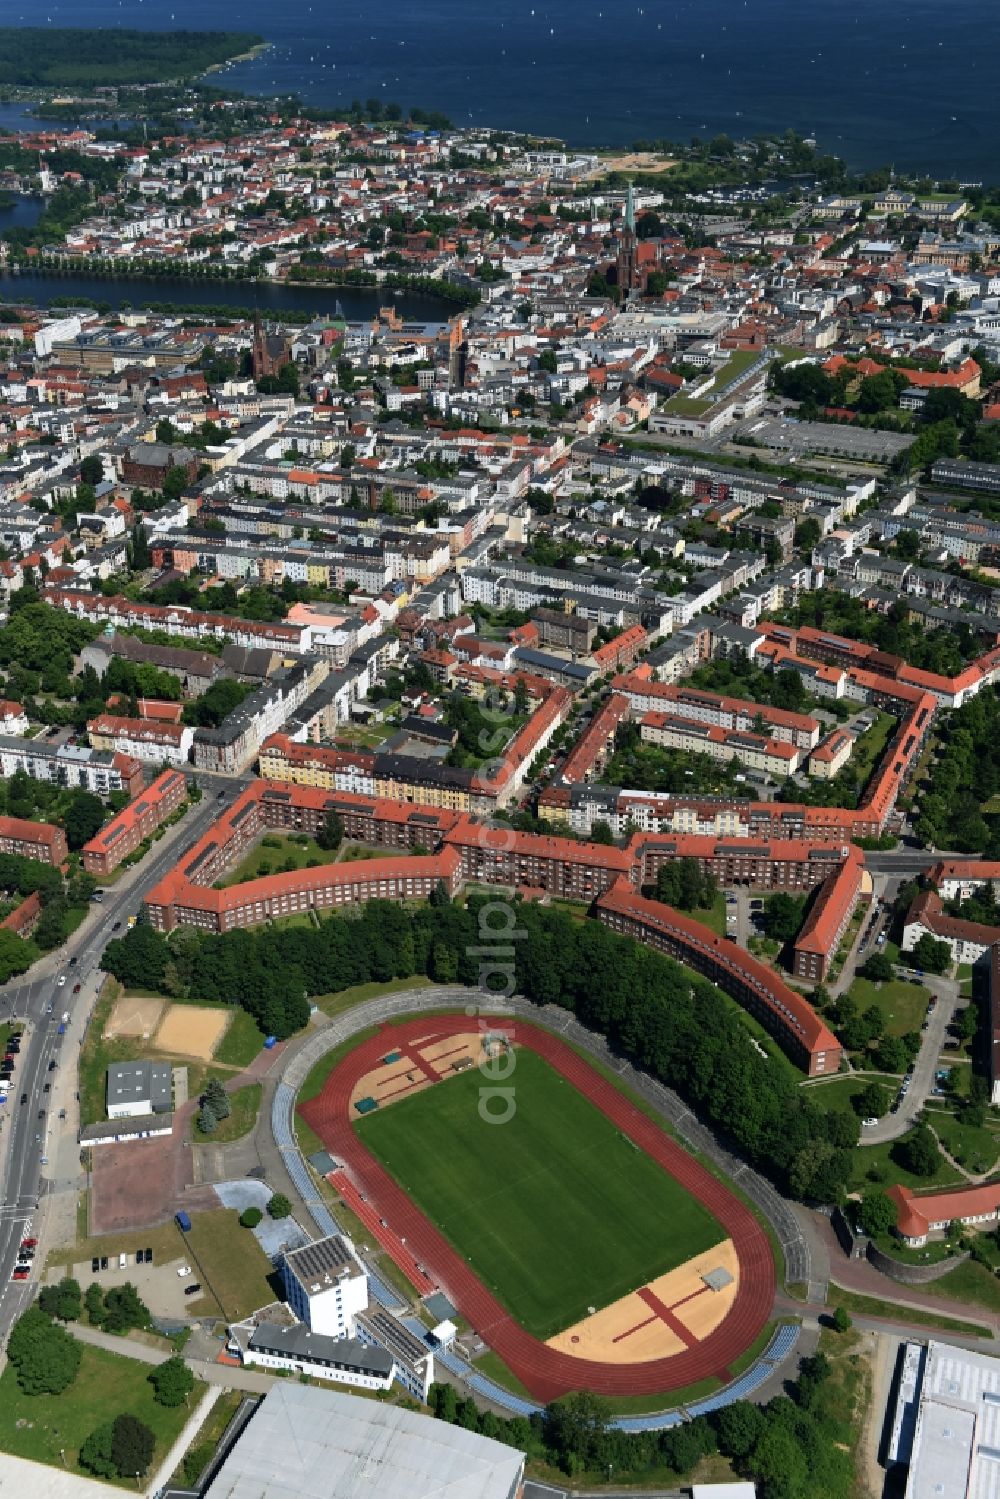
point(39, 1003)
point(922, 1081)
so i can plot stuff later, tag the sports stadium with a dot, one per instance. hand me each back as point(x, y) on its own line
point(579, 1241)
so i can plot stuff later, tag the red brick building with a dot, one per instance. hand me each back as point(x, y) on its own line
point(33, 840)
point(137, 821)
point(790, 1018)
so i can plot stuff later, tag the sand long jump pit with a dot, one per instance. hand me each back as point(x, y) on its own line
point(192, 1031)
point(136, 1017)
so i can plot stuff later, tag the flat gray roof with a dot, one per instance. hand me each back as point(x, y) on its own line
point(309, 1443)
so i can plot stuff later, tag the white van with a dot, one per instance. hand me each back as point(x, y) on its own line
point(122, 1261)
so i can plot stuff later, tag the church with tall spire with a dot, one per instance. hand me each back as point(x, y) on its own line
point(629, 277)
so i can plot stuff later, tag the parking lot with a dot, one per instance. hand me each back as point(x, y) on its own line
point(159, 1285)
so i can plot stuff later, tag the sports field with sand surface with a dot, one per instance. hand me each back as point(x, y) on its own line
point(137, 1017)
point(424, 1061)
point(675, 1311)
point(192, 1031)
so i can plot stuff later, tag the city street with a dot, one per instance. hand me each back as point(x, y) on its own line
point(35, 999)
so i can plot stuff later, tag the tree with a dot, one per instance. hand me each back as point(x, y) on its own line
point(250, 1217)
point(92, 470)
point(172, 1381)
point(782, 916)
point(44, 1355)
point(95, 1454)
point(94, 1303)
point(877, 1214)
point(279, 1206)
point(62, 1300)
point(739, 1427)
point(931, 954)
point(778, 1463)
point(207, 1121)
point(123, 1309)
point(330, 833)
point(132, 1445)
point(217, 1099)
point(84, 816)
point(872, 1102)
point(878, 968)
point(918, 1152)
point(573, 1425)
point(841, 1320)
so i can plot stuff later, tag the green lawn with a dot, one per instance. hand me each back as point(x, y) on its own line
point(276, 854)
point(871, 1306)
point(242, 1041)
point(869, 748)
point(838, 1093)
point(346, 999)
point(229, 1262)
point(974, 1148)
point(972, 1284)
point(878, 1165)
point(245, 1106)
point(713, 916)
point(902, 1005)
point(207, 1439)
point(556, 1210)
point(39, 1427)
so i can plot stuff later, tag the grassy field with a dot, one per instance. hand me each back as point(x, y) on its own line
point(871, 1306)
point(41, 1426)
point(974, 1148)
point(207, 1439)
point(902, 1005)
point(346, 999)
point(520, 1202)
point(164, 1240)
point(245, 1106)
point(229, 1262)
point(713, 916)
point(837, 1093)
point(869, 748)
point(971, 1284)
point(242, 1041)
point(881, 1160)
point(276, 854)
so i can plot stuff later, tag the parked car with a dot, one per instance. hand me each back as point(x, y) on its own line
point(183, 1270)
point(192, 1289)
point(95, 1264)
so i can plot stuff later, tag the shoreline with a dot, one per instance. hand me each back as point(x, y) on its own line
point(13, 269)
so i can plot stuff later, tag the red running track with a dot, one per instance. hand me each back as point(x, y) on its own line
point(547, 1372)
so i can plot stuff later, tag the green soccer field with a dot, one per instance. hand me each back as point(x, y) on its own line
point(554, 1210)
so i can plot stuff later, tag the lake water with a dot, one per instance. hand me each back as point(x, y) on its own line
point(357, 304)
point(917, 83)
point(24, 213)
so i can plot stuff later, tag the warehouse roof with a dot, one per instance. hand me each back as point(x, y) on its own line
point(306, 1443)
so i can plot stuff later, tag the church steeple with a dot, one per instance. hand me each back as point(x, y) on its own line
point(630, 210)
point(628, 275)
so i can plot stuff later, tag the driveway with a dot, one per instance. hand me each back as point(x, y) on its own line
point(932, 1042)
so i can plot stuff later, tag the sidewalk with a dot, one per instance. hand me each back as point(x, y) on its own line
point(226, 1376)
point(185, 1437)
